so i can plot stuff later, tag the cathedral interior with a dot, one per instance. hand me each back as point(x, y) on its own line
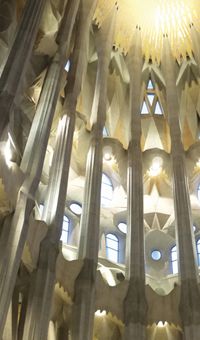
point(99, 169)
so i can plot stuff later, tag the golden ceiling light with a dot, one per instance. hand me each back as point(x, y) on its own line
point(161, 324)
point(100, 313)
point(156, 167)
point(155, 17)
point(198, 163)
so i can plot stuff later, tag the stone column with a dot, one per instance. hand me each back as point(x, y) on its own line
point(7, 29)
point(51, 331)
point(190, 295)
point(48, 99)
point(42, 283)
point(22, 314)
point(18, 59)
point(63, 332)
point(10, 331)
point(32, 164)
point(195, 43)
point(84, 304)
point(135, 306)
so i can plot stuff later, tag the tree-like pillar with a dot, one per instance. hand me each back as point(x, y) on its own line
point(84, 301)
point(18, 59)
point(48, 99)
point(190, 295)
point(195, 43)
point(43, 281)
point(135, 306)
point(32, 164)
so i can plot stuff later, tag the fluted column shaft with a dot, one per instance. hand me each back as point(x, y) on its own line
point(18, 59)
point(32, 164)
point(84, 304)
point(190, 296)
point(7, 29)
point(42, 285)
point(32, 157)
point(135, 302)
point(43, 279)
point(195, 44)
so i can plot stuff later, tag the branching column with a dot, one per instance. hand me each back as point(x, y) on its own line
point(42, 284)
point(43, 279)
point(18, 59)
point(84, 304)
point(135, 302)
point(32, 164)
point(190, 295)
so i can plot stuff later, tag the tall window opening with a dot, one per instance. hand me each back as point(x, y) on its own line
point(198, 251)
point(65, 230)
point(174, 260)
point(41, 209)
point(112, 247)
point(106, 191)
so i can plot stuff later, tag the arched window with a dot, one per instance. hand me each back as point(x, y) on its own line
point(112, 247)
point(65, 229)
point(106, 191)
point(174, 260)
point(198, 251)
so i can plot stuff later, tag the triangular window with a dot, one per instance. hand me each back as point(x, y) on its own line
point(158, 110)
point(151, 98)
point(144, 109)
point(150, 85)
point(67, 66)
point(105, 132)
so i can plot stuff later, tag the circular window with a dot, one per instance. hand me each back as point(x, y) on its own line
point(156, 255)
point(76, 208)
point(122, 227)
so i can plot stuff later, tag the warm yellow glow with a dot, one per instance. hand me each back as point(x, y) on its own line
point(99, 313)
point(156, 167)
point(198, 163)
point(155, 17)
point(161, 324)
